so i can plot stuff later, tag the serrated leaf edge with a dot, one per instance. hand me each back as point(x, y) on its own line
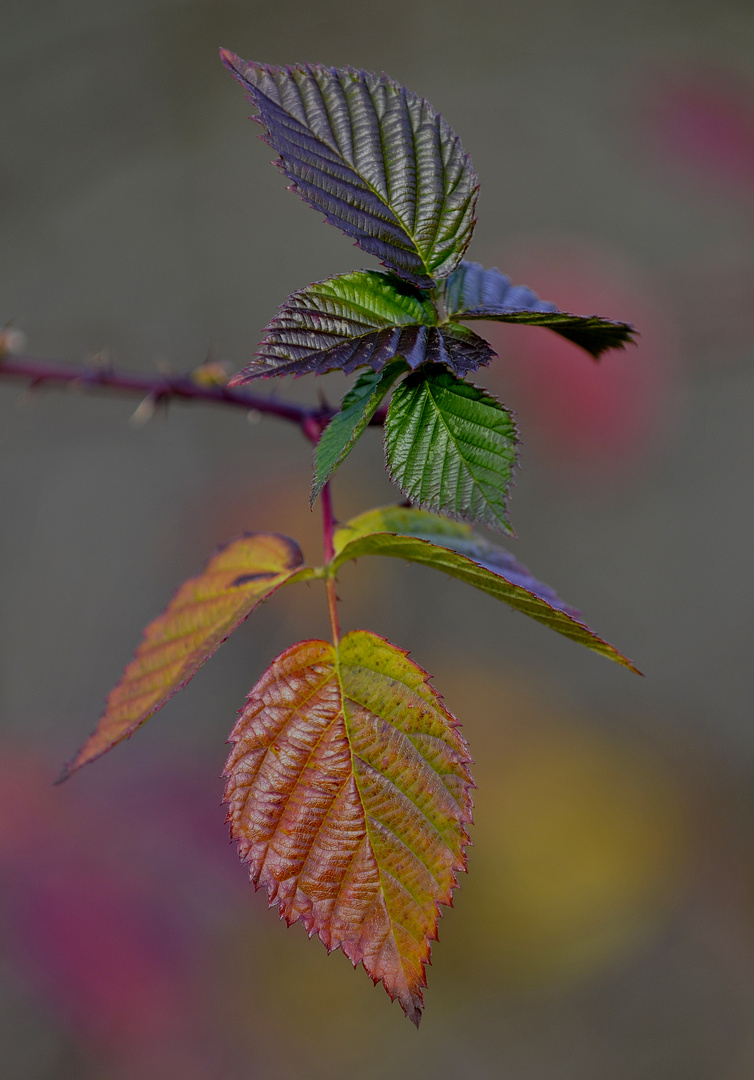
point(503, 524)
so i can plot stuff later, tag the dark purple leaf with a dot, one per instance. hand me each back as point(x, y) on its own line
point(377, 160)
point(471, 292)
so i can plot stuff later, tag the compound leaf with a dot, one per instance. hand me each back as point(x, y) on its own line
point(348, 795)
point(472, 292)
point(377, 160)
point(201, 615)
point(364, 318)
point(451, 447)
point(418, 536)
point(347, 426)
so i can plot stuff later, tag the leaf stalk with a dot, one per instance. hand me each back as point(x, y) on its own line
point(328, 528)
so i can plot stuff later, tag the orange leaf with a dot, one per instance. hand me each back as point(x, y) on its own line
point(348, 793)
point(202, 614)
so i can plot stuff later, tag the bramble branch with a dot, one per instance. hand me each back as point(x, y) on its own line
point(161, 388)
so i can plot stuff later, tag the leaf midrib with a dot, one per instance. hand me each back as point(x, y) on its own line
point(381, 870)
point(471, 469)
point(367, 183)
point(409, 233)
point(400, 731)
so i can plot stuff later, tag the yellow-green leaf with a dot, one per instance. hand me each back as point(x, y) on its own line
point(423, 537)
point(201, 615)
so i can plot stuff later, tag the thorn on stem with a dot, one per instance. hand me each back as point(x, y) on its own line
point(143, 412)
point(103, 360)
point(29, 395)
point(11, 341)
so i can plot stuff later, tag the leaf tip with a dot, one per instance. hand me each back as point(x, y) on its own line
point(64, 774)
point(231, 62)
point(81, 758)
point(241, 378)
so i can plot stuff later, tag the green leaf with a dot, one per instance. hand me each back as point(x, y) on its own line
point(365, 318)
point(451, 447)
point(378, 161)
point(347, 426)
point(471, 292)
point(348, 795)
point(418, 536)
point(202, 614)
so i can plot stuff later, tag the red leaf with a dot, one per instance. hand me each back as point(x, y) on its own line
point(348, 793)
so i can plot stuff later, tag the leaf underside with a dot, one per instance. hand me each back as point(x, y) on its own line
point(348, 795)
point(451, 547)
point(374, 158)
point(362, 319)
point(451, 447)
point(202, 614)
point(472, 292)
point(347, 426)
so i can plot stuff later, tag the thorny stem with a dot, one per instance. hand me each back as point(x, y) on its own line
point(161, 388)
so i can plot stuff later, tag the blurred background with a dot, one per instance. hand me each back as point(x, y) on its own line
point(606, 928)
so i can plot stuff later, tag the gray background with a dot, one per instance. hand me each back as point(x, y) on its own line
point(606, 929)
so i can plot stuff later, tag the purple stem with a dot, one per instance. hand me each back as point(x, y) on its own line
point(162, 388)
point(328, 528)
